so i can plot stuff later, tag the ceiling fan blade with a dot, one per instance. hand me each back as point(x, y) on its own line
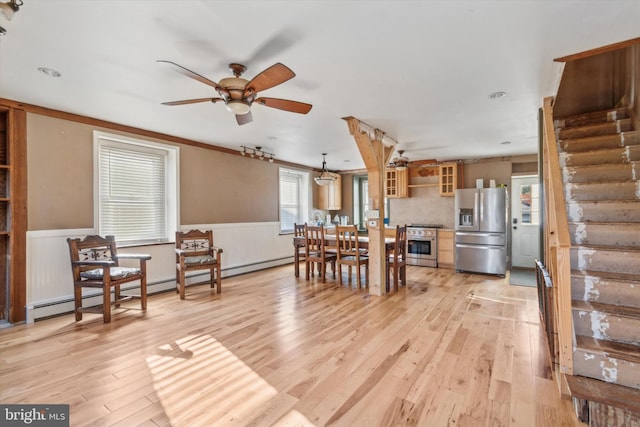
point(274, 46)
point(272, 76)
point(193, 101)
point(243, 119)
point(187, 72)
point(285, 104)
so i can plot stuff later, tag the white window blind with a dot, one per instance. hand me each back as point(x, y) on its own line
point(294, 199)
point(135, 194)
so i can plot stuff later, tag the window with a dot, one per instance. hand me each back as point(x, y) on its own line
point(361, 202)
point(294, 198)
point(530, 204)
point(136, 188)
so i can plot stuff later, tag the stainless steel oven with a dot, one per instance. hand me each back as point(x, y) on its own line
point(422, 244)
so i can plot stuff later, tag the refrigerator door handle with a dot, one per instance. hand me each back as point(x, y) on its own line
point(481, 208)
point(494, 247)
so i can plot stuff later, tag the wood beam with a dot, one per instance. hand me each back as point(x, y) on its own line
point(598, 51)
point(376, 149)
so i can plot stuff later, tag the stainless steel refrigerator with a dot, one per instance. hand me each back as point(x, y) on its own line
point(481, 230)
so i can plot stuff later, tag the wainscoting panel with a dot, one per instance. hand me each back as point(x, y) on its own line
point(246, 247)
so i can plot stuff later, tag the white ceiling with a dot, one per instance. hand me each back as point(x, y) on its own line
point(421, 71)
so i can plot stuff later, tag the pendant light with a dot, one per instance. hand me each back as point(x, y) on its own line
point(325, 177)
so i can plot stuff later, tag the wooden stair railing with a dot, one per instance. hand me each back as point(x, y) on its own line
point(558, 246)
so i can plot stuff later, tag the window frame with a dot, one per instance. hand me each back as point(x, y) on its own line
point(304, 197)
point(171, 182)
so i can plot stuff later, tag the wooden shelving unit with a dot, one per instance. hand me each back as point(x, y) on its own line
point(13, 214)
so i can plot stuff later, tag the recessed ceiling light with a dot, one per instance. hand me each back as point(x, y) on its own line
point(49, 72)
point(497, 95)
point(505, 143)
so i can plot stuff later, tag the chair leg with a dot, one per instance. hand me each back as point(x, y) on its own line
point(396, 277)
point(106, 304)
point(358, 275)
point(307, 267)
point(218, 280)
point(78, 302)
point(143, 291)
point(116, 292)
point(181, 284)
point(340, 273)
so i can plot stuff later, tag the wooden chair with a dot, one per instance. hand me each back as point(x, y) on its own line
point(349, 252)
point(397, 259)
point(195, 251)
point(315, 251)
point(95, 264)
point(299, 231)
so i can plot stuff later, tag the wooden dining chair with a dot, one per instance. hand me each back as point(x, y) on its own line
point(195, 251)
point(350, 254)
point(95, 263)
point(315, 251)
point(397, 259)
point(299, 233)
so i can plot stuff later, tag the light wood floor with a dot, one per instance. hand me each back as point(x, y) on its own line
point(448, 350)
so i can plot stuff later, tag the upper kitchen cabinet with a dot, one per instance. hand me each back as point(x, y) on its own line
point(330, 195)
point(396, 183)
point(450, 178)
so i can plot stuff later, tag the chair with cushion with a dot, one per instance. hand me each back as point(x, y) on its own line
point(95, 264)
point(195, 251)
point(349, 252)
point(315, 251)
point(397, 259)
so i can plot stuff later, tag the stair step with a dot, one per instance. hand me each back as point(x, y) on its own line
point(605, 233)
point(606, 321)
point(611, 190)
point(605, 258)
point(606, 287)
point(603, 210)
point(609, 394)
point(601, 157)
point(580, 145)
point(610, 361)
point(591, 117)
point(594, 129)
point(601, 173)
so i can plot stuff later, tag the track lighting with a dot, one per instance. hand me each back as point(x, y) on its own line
point(257, 152)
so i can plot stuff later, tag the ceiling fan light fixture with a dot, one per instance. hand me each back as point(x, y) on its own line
point(7, 10)
point(238, 107)
point(325, 177)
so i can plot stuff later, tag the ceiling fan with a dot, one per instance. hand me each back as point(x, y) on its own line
point(239, 94)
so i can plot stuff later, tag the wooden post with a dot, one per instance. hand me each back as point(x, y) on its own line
point(376, 150)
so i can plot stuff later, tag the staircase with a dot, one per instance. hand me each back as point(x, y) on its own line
point(600, 160)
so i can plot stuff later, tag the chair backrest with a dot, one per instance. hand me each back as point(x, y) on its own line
point(315, 240)
point(92, 248)
point(347, 240)
point(298, 229)
point(195, 242)
point(400, 248)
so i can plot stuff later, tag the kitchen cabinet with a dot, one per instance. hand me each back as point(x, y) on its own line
point(330, 195)
point(449, 178)
point(396, 183)
point(446, 249)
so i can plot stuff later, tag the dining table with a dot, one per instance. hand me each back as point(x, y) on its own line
point(330, 240)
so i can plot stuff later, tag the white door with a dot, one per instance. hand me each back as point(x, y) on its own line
point(525, 221)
